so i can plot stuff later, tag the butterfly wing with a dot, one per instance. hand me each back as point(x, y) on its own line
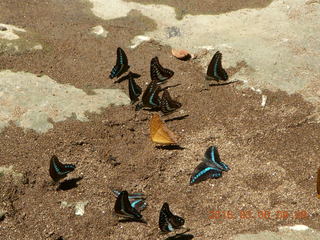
point(167, 221)
point(160, 133)
point(215, 70)
point(138, 204)
point(168, 105)
point(203, 172)
point(158, 73)
point(136, 200)
point(165, 214)
point(58, 170)
point(121, 64)
point(213, 159)
point(134, 89)
point(130, 195)
point(123, 207)
point(150, 97)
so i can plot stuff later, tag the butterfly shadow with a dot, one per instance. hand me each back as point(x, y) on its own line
point(134, 75)
point(170, 147)
point(181, 236)
point(177, 118)
point(222, 84)
point(127, 220)
point(69, 184)
point(185, 58)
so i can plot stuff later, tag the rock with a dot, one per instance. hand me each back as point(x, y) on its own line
point(2, 214)
point(264, 100)
point(78, 206)
point(99, 31)
point(181, 54)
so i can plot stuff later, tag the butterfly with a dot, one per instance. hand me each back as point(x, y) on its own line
point(168, 105)
point(318, 183)
point(137, 200)
point(123, 207)
point(121, 64)
point(210, 167)
point(167, 221)
point(150, 97)
point(158, 73)
point(215, 70)
point(134, 89)
point(58, 170)
point(160, 133)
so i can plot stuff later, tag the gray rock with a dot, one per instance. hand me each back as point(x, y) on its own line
point(173, 32)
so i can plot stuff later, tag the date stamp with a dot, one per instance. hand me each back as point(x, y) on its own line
point(259, 214)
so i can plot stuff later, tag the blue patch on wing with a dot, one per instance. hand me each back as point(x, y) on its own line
point(210, 167)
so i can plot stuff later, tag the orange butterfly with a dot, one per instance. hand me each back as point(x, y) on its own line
point(160, 133)
point(318, 183)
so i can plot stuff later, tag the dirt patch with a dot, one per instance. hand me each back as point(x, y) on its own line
point(272, 151)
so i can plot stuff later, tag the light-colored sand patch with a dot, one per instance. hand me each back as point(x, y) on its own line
point(297, 232)
point(280, 43)
point(8, 32)
point(30, 101)
point(11, 41)
point(138, 40)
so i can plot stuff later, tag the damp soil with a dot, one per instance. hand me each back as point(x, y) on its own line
point(273, 152)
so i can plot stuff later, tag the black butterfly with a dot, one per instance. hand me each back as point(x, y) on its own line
point(123, 207)
point(150, 97)
point(121, 64)
point(134, 89)
point(58, 170)
point(167, 221)
point(158, 73)
point(137, 200)
point(210, 167)
point(168, 105)
point(215, 70)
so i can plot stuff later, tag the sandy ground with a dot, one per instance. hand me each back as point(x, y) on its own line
point(273, 151)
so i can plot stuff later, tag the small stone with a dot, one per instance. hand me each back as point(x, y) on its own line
point(2, 214)
point(79, 208)
point(181, 54)
point(3, 28)
point(99, 30)
point(264, 100)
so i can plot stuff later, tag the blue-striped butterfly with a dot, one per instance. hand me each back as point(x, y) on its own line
point(150, 97)
point(124, 209)
point(215, 70)
point(134, 89)
point(167, 220)
point(158, 73)
point(58, 170)
point(210, 167)
point(137, 200)
point(168, 105)
point(121, 64)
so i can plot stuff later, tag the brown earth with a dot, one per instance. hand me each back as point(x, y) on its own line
point(272, 151)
